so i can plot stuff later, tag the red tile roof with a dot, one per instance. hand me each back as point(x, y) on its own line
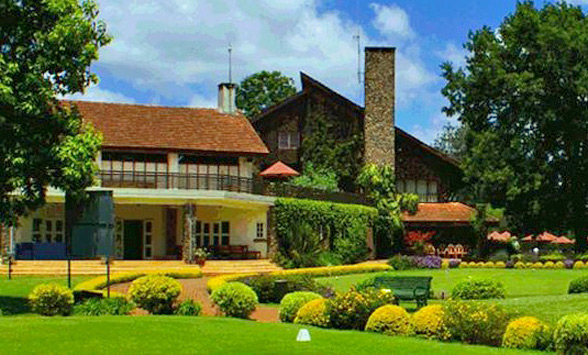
point(447, 212)
point(279, 169)
point(171, 128)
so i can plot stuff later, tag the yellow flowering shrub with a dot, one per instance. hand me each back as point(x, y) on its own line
point(445, 264)
point(390, 320)
point(472, 264)
point(489, 264)
point(560, 265)
point(313, 313)
point(520, 265)
point(463, 265)
point(480, 264)
point(529, 265)
point(549, 265)
point(155, 293)
point(525, 333)
point(538, 265)
point(51, 300)
point(579, 265)
point(500, 265)
point(428, 322)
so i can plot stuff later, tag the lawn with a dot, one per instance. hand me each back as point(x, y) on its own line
point(209, 335)
point(13, 293)
point(540, 293)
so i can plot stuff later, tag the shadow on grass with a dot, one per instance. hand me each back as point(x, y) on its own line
point(14, 305)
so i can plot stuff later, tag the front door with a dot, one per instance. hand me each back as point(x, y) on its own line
point(133, 232)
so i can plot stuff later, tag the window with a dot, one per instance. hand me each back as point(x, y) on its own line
point(259, 233)
point(147, 239)
point(426, 190)
point(48, 230)
point(288, 140)
point(211, 234)
point(225, 233)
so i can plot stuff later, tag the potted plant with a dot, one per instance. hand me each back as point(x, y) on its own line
point(200, 256)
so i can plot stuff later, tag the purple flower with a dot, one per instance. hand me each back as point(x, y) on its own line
point(453, 263)
point(569, 263)
point(427, 262)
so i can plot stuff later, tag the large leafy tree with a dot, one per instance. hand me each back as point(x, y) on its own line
point(262, 90)
point(524, 96)
point(451, 140)
point(46, 49)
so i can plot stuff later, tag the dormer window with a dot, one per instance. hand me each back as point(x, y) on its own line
point(288, 140)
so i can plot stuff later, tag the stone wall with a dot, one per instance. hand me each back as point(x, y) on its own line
point(379, 106)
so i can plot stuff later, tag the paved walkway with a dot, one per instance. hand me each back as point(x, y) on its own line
point(196, 290)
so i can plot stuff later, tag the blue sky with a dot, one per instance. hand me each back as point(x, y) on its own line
point(174, 52)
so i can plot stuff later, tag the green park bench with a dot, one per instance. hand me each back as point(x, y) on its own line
point(413, 288)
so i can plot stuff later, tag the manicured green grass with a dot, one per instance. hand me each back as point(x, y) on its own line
point(548, 308)
point(13, 293)
point(208, 335)
point(518, 283)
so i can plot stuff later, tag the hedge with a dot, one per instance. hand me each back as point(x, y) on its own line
point(97, 284)
point(216, 282)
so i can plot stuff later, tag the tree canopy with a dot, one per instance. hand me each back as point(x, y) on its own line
point(451, 141)
point(46, 50)
point(523, 94)
point(262, 90)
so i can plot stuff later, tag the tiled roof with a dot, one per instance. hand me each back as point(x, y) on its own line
point(447, 212)
point(171, 128)
point(279, 169)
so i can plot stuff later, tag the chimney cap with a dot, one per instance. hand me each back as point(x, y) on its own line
point(380, 49)
point(229, 85)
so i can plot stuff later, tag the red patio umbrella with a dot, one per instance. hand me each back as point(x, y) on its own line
point(279, 170)
point(563, 240)
point(499, 237)
point(528, 238)
point(546, 237)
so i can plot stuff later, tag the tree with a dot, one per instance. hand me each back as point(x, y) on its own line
point(451, 141)
point(262, 90)
point(46, 50)
point(524, 96)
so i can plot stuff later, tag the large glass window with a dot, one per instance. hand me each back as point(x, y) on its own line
point(427, 190)
point(48, 231)
point(288, 140)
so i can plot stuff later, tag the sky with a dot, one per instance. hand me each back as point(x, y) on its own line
point(174, 52)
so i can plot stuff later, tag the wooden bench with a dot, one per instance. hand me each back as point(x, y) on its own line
point(236, 251)
point(411, 288)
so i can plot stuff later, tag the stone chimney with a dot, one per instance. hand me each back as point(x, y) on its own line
point(226, 98)
point(378, 124)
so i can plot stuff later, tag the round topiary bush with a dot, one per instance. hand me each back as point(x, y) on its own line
point(537, 265)
point(525, 333)
point(520, 265)
point(579, 285)
point(390, 320)
point(463, 265)
point(445, 264)
point(480, 264)
point(235, 299)
point(189, 307)
point(292, 302)
point(428, 322)
point(51, 300)
point(155, 293)
point(559, 265)
point(478, 289)
point(500, 265)
point(578, 265)
point(472, 264)
point(313, 313)
point(489, 265)
point(571, 334)
point(352, 309)
point(549, 265)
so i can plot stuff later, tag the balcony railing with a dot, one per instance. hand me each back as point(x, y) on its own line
point(150, 180)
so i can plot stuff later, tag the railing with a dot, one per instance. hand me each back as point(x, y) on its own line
point(150, 180)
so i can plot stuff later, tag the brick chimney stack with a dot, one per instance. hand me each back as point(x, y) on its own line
point(379, 106)
point(227, 98)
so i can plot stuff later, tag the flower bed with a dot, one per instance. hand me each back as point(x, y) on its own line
point(218, 281)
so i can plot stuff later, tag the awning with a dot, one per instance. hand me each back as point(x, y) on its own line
point(279, 170)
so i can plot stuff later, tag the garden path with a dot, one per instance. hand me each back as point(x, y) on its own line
point(196, 290)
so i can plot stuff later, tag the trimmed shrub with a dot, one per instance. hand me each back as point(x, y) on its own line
point(528, 265)
point(267, 291)
point(526, 333)
point(478, 289)
point(500, 265)
point(480, 264)
point(351, 310)
point(472, 264)
point(549, 265)
point(314, 313)
point(559, 265)
point(428, 322)
point(389, 320)
point(463, 265)
point(155, 293)
point(114, 306)
point(579, 285)
point(552, 257)
point(571, 334)
point(578, 265)
point(51, 300)
point(235, 299)
point(292, 302)
point(189, 307)
point(520, 265)
point(537, 265)
point(401, 262)
point(489, 264)
point(476, 322)
point(445, 264)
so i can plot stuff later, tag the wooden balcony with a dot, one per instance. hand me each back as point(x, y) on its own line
point(165, 180)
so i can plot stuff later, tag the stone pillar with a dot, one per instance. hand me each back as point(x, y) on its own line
point(379, 106)
point(272, 242)
point(189, 218)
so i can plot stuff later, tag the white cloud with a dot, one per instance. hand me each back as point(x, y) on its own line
point(435, 125)
point(203, 101)
point(392, 21)
point(454, 54)
point(95, 93)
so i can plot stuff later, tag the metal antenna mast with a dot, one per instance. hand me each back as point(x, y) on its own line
point(230, 49)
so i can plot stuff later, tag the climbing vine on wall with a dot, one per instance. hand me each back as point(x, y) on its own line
point(306, 229)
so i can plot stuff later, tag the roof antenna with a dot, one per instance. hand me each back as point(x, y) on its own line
point(230, 49)
point(357, 37)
